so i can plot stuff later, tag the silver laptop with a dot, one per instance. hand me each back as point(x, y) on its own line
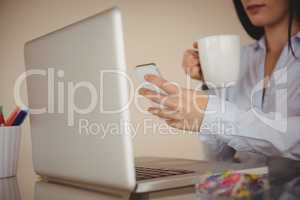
point(78, 92)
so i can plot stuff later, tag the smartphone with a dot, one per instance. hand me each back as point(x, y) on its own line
point(142, 70)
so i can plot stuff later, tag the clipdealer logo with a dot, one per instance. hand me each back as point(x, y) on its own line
point(56, 88)
point(61, 91)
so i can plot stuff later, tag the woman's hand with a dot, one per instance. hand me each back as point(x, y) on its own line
point(191, 64)
point(180, 108)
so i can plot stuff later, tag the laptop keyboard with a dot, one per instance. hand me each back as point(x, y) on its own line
point(143, 173)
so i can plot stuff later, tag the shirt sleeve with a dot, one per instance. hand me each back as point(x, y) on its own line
point(215, 145)
point(268, 133)
point(215, 148)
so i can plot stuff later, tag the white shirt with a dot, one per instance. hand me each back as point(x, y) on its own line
point(257, 127)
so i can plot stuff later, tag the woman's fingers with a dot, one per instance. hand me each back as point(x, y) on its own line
point(165, 113)
point(191, 58)
point(168, 87)
point(191, 63)
point(159, 98)
point(152, 95)
point(195, 45)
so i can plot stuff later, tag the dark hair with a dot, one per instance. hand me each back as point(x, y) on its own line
point(257, 32)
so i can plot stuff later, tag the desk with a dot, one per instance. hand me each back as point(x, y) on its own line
point(284, 179)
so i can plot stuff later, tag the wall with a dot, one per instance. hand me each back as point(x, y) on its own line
point(155, 31)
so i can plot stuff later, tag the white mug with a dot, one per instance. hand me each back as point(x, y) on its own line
point(220, 60)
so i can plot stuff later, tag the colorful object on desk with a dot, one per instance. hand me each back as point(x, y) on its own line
point(15, 118)
point(2, 120)
point(12, 117)
point(20, 117)
point(233, 184)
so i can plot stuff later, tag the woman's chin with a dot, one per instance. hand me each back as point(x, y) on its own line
point(261, 20)
point(260, 23)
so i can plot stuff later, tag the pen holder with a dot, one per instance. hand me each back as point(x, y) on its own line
point(10, 138)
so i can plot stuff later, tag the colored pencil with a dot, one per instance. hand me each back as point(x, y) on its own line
point(12, 117)
point(2, 120)
point(20, 117)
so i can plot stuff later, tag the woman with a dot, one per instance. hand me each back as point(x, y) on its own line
point(262, 112)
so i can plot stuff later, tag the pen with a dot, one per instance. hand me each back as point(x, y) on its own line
point(20, 117)
point(12, 117)
point(2, 120)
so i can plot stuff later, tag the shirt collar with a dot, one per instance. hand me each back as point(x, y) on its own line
point(297, 36)
point(261, 43)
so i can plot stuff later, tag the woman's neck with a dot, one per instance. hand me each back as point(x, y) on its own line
point(277, 34)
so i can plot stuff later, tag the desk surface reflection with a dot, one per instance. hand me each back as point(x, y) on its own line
point(284, 180)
